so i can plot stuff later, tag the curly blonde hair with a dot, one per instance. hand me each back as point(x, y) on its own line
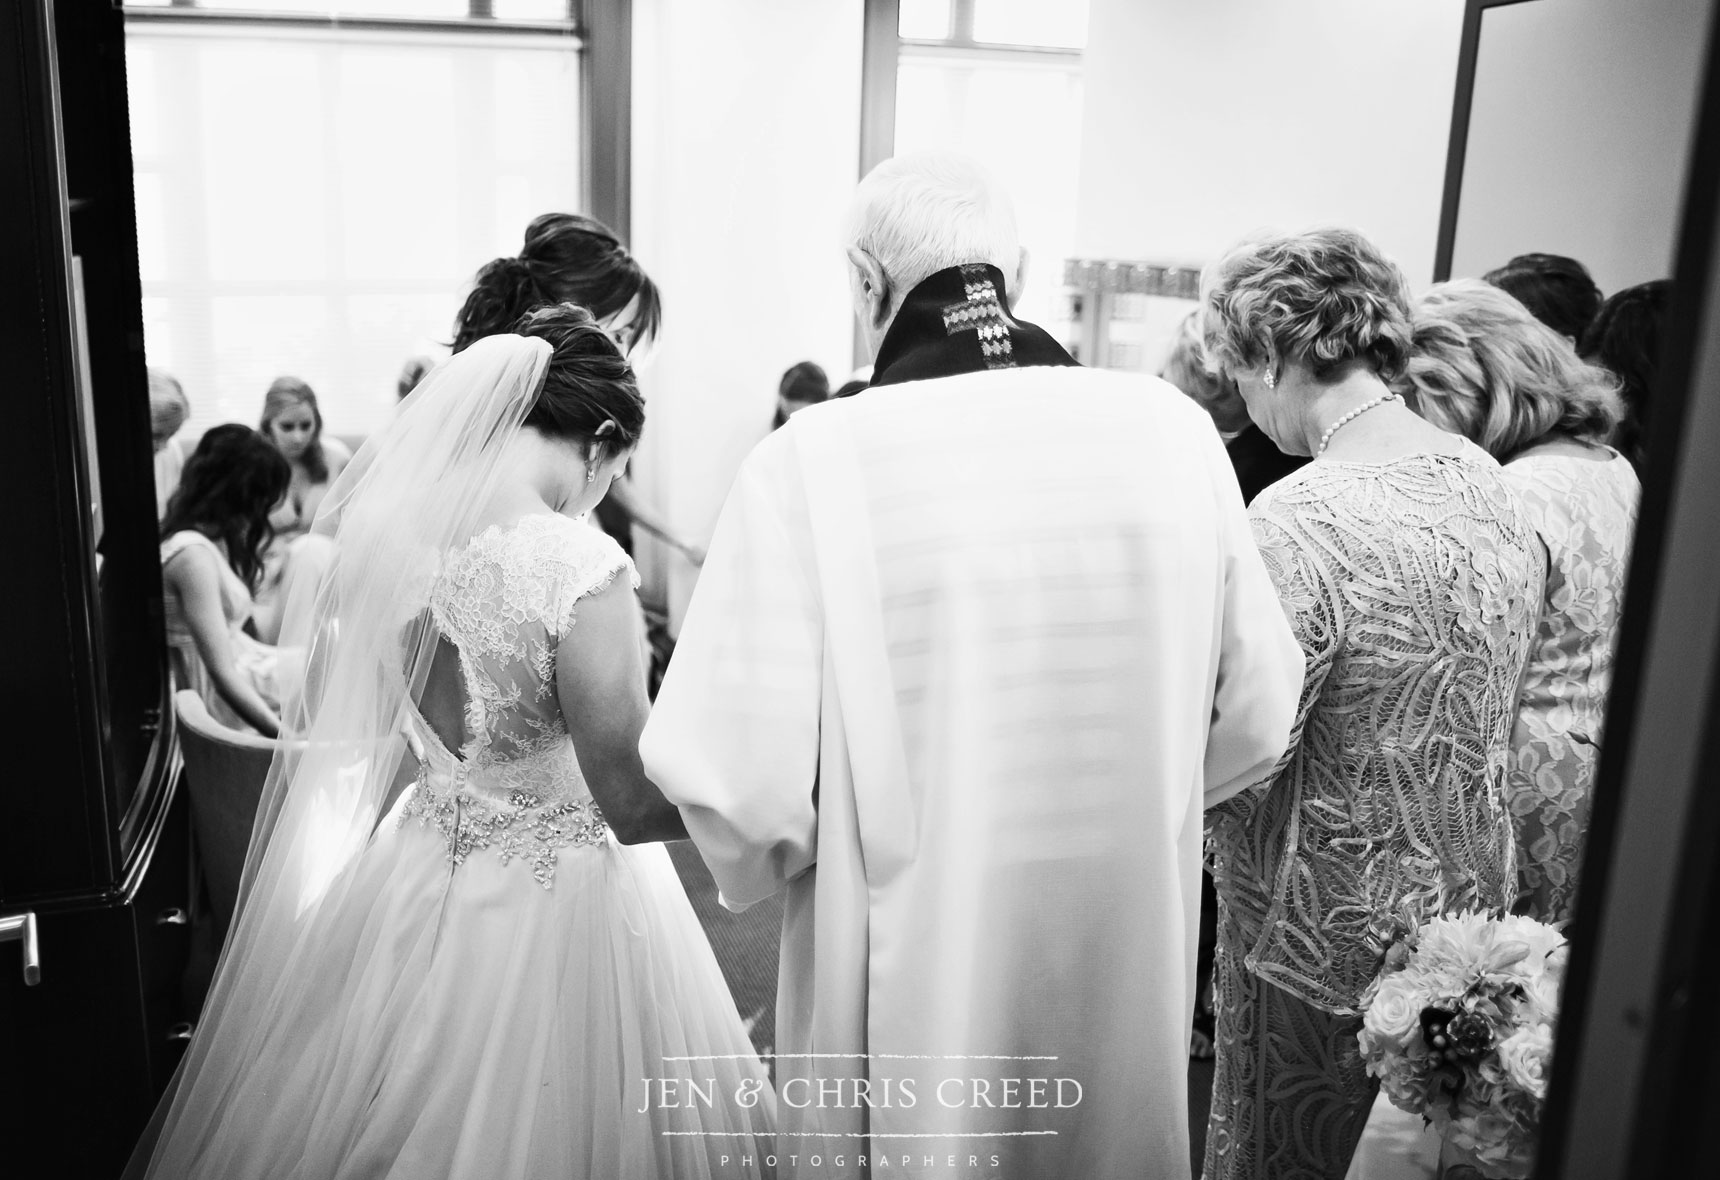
point(168, 405)
point(1484, 367)
point(1186, 368)
point(1325, 298)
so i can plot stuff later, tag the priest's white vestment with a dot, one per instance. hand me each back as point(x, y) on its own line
point(966, 659)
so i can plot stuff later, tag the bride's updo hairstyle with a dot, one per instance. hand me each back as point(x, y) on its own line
point(587, 383)
point(566, 258)
point(1324, 298)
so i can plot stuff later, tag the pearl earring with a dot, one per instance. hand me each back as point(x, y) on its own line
point(1270, 378)
point(590, 474)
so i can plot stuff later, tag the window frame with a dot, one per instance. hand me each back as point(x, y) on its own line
point(599, 31)
point(480, 17)
point(883, 48)
point(599, 171)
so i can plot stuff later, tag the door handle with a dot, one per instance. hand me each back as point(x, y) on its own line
point(22, 928)
point(172, 916)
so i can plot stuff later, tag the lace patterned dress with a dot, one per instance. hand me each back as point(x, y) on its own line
point(502, 976)
point(1585, 513)
point(1414, 586)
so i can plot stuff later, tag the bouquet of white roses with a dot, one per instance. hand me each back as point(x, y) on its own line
point(1459, 1029)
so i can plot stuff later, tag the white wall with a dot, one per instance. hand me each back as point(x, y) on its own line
point(1207, 120)
point(746, 148)
point(1202, 121)
point(1579, 135)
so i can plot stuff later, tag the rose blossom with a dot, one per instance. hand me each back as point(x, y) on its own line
point(1527, 1055)
point(1394, 1014)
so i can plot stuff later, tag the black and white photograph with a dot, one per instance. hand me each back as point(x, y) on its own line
point(860, 589)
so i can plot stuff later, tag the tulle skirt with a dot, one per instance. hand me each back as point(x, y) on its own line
point(468, 1023)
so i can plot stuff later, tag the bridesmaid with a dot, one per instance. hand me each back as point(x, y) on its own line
point(1487, 369)
point(1413, 580)
point(168, 410)
point(568, 258)
point(213, 537)
point(1256, 459)
point(294, 424)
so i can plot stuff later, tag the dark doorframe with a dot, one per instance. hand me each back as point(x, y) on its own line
point(606, 136)
point(1636, 1078)
point(1468, 51)
point(880, 52)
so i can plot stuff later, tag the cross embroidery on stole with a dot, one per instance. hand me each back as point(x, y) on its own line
point(982, 313)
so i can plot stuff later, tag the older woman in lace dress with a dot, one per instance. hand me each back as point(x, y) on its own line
point(1487, 369)
point(1413, 580)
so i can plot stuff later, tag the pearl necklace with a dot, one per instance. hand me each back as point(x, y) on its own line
point(1326, 439)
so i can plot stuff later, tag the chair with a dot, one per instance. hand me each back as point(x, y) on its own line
point(225, 770)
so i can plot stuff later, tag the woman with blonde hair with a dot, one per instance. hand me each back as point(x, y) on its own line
point(293, 422)
point(1256, 459)
point(1412, 580)
point(1487, 369)
point(168, 410)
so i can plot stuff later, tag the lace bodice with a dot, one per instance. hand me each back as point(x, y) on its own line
point(1585, 513)
point(505, 600)
point(1413, 587)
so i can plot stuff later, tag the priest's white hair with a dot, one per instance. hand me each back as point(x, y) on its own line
point(923, 212)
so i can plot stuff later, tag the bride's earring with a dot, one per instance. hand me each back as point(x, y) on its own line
point(1270, 378)
point(591, 474)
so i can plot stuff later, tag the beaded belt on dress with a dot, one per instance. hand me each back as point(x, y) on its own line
point(517, 823)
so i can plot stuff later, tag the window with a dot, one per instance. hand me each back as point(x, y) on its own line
point(549, 11)
point(1001, 81)
point(313, 198)
point(1020, 23)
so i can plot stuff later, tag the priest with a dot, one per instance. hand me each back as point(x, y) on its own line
point(970, 652)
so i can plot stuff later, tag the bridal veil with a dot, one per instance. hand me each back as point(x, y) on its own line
point(366, 641)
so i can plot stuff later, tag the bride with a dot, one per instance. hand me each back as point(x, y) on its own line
point(451, 959)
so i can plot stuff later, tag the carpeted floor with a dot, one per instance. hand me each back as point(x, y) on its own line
point(745, 944)
point(746, 949)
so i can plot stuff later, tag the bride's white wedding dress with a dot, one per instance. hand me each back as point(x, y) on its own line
point(497, 976)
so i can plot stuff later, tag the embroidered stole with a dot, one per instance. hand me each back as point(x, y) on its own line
point(956, 321)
